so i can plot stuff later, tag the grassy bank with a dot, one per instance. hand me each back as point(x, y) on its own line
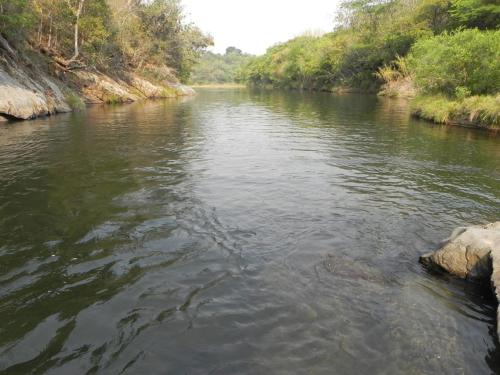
point(475, 111)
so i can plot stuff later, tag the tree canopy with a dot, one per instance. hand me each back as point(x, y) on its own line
point(134, 34)
point(214, 68)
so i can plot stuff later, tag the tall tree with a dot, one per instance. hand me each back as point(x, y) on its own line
point(77, 9)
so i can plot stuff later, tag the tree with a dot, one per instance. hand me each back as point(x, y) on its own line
point(483, 14)
point(76, 9)
point(16, 18)
point(233, 50)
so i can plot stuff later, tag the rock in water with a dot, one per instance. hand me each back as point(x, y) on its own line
point(471, 253)
point(468, 252)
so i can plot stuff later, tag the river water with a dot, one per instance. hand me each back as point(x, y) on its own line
point(241, 232)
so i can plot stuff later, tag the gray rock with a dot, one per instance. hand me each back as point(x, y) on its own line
point(22, 97)
point(26, 92)
point(471, 253)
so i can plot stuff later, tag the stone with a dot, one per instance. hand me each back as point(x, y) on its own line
point(468, 252)
point(25, 91)
point(24, 98)
point(471, 253)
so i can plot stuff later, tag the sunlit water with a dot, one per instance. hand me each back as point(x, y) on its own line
point(241, 233)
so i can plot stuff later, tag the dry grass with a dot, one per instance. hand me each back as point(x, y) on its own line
point(479, 111)
point(397, 80)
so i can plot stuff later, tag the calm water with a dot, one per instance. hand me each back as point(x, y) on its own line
point(241, 233)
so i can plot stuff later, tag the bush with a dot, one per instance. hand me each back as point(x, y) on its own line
point(464, 61)
point(74, 101)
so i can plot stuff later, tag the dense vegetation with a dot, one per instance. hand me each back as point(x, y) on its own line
point(458, 64)
point(214, 68)
point(448, 48)
point(148, 36)
point(371, 35)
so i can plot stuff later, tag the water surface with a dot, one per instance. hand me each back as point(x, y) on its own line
point(241, 232)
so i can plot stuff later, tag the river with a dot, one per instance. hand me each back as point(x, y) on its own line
point(241, 232)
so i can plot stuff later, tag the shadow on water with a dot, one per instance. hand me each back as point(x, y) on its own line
point(481, 295)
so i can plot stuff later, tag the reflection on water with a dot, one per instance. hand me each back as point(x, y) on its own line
point(241, 232)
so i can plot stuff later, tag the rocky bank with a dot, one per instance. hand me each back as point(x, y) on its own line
point(35, 85)
point(471, 253)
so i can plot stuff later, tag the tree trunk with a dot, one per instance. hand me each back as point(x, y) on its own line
point(77, 22)
point(40, 29)
point(49, 42)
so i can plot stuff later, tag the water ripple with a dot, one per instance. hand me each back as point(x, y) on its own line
point(241, 232)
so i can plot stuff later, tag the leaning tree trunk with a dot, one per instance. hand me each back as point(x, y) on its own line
point(77, 22)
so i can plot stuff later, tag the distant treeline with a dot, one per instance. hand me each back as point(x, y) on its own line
point(149, 36)
point(214, 68)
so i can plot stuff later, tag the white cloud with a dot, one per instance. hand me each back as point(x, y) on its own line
point(255, 25)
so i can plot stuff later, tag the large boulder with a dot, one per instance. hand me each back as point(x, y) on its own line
point(471, 253)
point(24, 97)
point(25, 91)
point(468, 252)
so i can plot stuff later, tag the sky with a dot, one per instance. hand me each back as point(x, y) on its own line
point(255, 25)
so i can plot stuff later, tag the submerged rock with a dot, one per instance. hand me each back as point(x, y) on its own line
point(471, 253)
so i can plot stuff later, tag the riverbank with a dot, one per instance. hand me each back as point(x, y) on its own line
point(34, 84)
point(218, 86)
point(481, 112)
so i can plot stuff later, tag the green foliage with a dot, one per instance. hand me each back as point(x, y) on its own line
point(436, 108)
point(171, 40)
point(74, 101)
point(434, 14)
point(95, 31)
point(467, 60)
point(15, 18)
point(370, 34)
point(216, 68)
point(373, 39)
point(305, 62)
point(483, 14)
point(123, 34)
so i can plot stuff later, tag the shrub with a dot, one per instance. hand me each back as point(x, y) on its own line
point(467, 61)
point(395, 71)
point(74, 101)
